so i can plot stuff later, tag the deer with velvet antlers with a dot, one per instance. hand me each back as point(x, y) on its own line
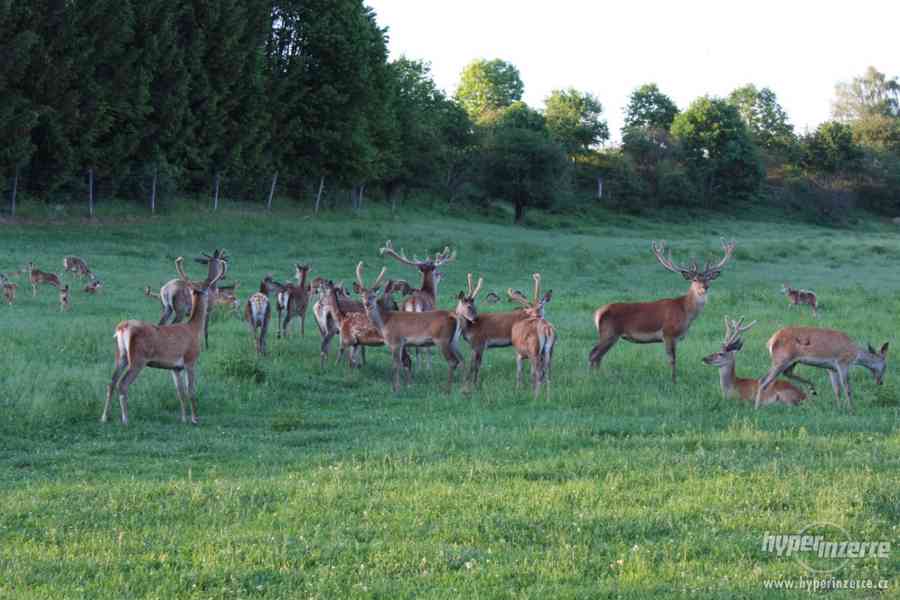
point(825, 348)
point(533, 337)
point(173, 347)
point(400, 329)
point(424, 298)
point(781, 392)
point(665, 321)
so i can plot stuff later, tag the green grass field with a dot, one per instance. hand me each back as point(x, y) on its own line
point(323, 484)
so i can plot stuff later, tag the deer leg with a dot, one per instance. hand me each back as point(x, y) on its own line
point(285, 325)
point(407, 366)
point(454, 358)
point(121, 365)
point(766, 381)
point(670, 351)
point(33, 290)
point(844, 373)
point(518, 370)
point(475, 366)
point(398, 364)
point(192, 391)
point(835, 378)
point(130, 375)
point(263, 331)
point(302, 325)
point(789, 373)
point(600, 350)
point(536, 374)
point(206, 331)
point(428, 357)
point(179, 391)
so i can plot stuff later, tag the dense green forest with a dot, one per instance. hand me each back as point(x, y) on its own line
point(191, 92)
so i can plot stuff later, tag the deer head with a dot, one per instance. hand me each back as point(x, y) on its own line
point(535, 306)
point(699, 279)
point(465, 305)
point(428, 264)
point(731, 344)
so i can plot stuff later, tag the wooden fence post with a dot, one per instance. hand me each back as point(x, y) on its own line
point(272, 191)
point(91, 192)
point(319, 195)
point(216, 192)
point(153, 190)
point(14, 190)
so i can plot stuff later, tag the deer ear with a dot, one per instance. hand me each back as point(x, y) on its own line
point(548, 296)
point(884, 348)
point(461, 295)
point(871, 349)
point(713, 275)
point(688, 276)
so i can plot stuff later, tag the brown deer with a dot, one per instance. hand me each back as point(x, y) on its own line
point(9, 292)
point(257, 313)
point(36, 277)
point(64, 298)
point(94, 286)
point(424, 298)
point(293, 300)
point(226, 297)
point(533, 337)
point(664, 321)
point(745, 389)
point(825, 348)
point(797, 297)
point(402, 329)
point(173, 347)
point(75, 265)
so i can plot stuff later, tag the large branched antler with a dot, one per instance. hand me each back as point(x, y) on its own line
point(710, 272)
point(659, 249)
point(401, 256)
point(375, 284)
point(518, 297)
point(443, 257)
point(733, 331)
point(473, 291)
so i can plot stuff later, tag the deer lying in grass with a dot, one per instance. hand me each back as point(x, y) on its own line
point(293, 299)
point(664, 321)
point(9, 292)
point(77, 266)
point(64, 298)
point(533, 337)
point(174, 347)
point(257, 313)
point(36, 277)
point(226, 297)
point(424, 298)
point(797, 297)
point(94, 286)
point(825, 348)
point(402, 329)
point(745, 389)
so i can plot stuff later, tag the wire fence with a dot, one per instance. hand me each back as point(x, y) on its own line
point(151, 189)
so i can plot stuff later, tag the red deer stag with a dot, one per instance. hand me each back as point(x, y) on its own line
point(424, 298)
point(797, 297)
point(36, 277)
point(745, 389)
point(664, 321)
point(825, 348)
point(533, 337)
point(173, 347)
point(402, 329)
point(257, 313)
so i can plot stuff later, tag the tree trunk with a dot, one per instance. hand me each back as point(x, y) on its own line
point(216, 192)
point(15, 188)
point(91, 192)
point(153, 191)
point(272, 191)
point(520, 212)
point(319, 194)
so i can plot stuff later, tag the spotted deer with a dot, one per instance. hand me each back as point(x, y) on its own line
point(293, 300)
point(825, 348)
point(95, 285)
point(77, 266)
point(664, 321)
point(797, 297)
point(64, 298)
point(781, 392)
point(37, 277)
point(425, 297)
point(533, 337)
point(257, 313)
point(9, 292)
point(400, 329)
point(173, 347)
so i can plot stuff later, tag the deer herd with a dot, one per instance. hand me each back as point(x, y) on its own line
point(175, 342)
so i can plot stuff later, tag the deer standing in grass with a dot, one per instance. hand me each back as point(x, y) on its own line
point(36, 277)
point(293, 300)
point(745, 389)
point(399, 329)
point(94, 286)
point(9, 292)
point(533, 337)
point(797, 297)
point(64, 298)
point(77, 266)
point(825, 348)
point(173, 347)
point(424, 298)
point(257, 313)
point(664, 321)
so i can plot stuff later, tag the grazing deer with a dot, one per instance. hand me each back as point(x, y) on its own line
point(664, 321)
point(796, 297)
point(401, 329)
point(533, 337)
point(226, 297)
point(36, 277)
point(76, 266)
point(64, 298)
point(257, 314)
point(173, 347)
point(745, 389)
point(9, 292)
point(825, 348)
point(424, 298)
point(293, 299)
point(94, 286)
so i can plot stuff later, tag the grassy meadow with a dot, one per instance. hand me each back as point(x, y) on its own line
point(301, 482)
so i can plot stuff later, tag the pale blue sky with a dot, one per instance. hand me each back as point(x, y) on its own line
point(800, 49)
